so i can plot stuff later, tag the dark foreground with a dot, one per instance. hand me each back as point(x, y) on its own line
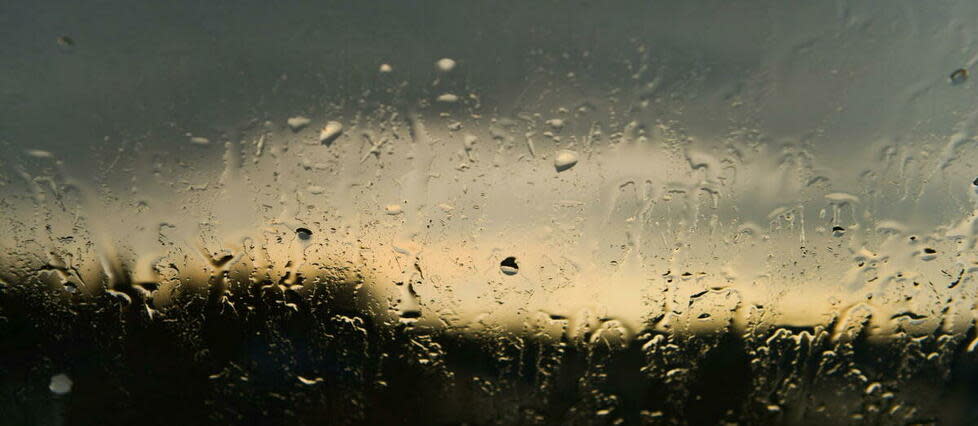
point(323, 361)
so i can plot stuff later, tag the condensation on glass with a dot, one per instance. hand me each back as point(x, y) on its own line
point(559, 212)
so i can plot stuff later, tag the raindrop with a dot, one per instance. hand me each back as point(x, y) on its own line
point(509, 266)
point(60, 384)
point(928, 254)
point(959, 76)
point(66, 41)
point(303, 233)
point(445, 64)
point(37, 153)
point(556, 123)
point(310, 382)
point(297, 123)
point(410, 315)
point(386, 68)
point(565, 160)
point(448, 98)
point(330, 132)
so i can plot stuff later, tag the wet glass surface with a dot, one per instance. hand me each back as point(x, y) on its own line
point(557, 212)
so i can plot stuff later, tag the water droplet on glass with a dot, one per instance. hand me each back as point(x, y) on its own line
point(393, 209)
point(447, 98)
point(959, 76)
point(303, 233)
point(385, 68)
point(297, 123)
point(928, 254)
point(60, 384)
point(445, 64)
point(330, 132)
point(309, 382)
point(565, 160)
point(37, 153)
point(509, 266)
point(409, 315)
point(556, 123)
